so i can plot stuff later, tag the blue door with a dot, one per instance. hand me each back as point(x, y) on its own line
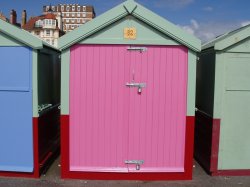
point(16, 137)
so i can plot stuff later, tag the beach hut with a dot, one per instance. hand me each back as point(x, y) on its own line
point(128, 97)
point(29, 97)
point(223, 104)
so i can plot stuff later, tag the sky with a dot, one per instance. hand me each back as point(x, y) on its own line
point(205, 19)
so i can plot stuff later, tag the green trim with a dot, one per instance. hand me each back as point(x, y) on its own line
point(219, 84)
point(91, 27)
point(167, 28)
point(34, 82)
point(65, 68)
point(229, 39)
point(21, 36)
point(7, 41)
point(136, 10)
point(192, 59)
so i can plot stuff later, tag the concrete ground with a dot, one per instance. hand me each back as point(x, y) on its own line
point(52, 178)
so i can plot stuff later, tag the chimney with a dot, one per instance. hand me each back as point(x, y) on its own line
point(24, 18)
point(13, 17)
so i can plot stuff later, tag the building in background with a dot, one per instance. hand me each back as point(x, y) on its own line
point(46, 27)
point(72, 15)
point(2, 17)
point(13, 18)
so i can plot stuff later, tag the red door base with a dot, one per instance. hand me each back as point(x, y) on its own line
point(66, 173)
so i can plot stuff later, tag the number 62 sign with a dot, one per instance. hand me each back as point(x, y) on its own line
point(130, 33)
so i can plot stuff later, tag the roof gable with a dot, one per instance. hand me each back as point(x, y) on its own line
point(136, 10)
point(20, 35)
point(113, 34)
point(229, 39)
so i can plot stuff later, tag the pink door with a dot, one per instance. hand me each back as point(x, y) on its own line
point(127, 108)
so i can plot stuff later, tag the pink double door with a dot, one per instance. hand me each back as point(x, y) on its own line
point(127, 108)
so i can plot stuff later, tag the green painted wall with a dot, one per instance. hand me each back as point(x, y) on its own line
point(65, 65)
point(234, 148)
point(35, 83)
point(7, 41)
point(114, 34)
point(192, 60)
point(241, 47)
point(205, 82)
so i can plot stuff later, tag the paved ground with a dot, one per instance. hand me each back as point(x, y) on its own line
point(52, 179)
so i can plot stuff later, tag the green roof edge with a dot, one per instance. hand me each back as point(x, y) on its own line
point(130, 7)
point(20, 35)
point(228, 39)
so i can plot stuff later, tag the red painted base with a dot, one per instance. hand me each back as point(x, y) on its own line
point(43, 154)
point(231, 173)
point(66, 173)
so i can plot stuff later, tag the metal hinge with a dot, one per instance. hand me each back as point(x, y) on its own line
point(137, 163)
point(141, 49)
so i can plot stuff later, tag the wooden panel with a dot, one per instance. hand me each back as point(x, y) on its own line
point(238, 73)
point(157, 116)
point(111, 123)
point(14, 71)
point(16, 135)
point(234, 146)
point(97, 108)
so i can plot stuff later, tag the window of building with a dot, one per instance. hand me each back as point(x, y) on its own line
point(47, 8)
point(78, 8)
point(84, 15)
point(53, 8)
point(67, 14)
point(54, 22)
point(62, 8)
point(53, 42)
point(67, 9)
point(73, 14)
point(78, 15)
point(37, 33)
point(47, 32)
point(84, 8)
point(73, 8)
point(46, 22)
point(72, 21)
point(72, 26)
point(67, 20)
point(39, 23)
point(78, 20)
point(62, 14)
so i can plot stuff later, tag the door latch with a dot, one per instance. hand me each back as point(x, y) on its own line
point(138, 85)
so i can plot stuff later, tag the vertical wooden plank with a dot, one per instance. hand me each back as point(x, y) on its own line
point(162, 103)
point(102, 139)
point(168, 108)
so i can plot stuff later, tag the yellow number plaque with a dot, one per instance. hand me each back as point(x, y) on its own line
point(130, 33)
